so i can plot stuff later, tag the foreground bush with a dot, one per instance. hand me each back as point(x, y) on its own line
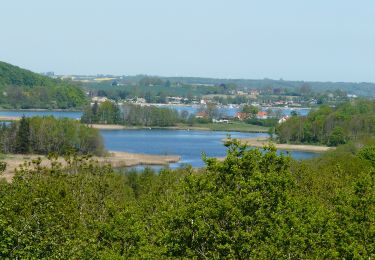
point(254, 204)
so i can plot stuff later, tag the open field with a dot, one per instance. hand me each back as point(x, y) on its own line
point(261, 142)
point(236, 127)
point(106, 127)
point(116, 159)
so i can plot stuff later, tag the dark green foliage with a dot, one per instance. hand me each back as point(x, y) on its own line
point(105, 113)
point(149, 116)
point(109, 113)
point(250, 110)
point(43, 135)
point(356, 218)
point(253, 204)
point(269, 122)
point(23, 136)
point(368, 153)
point(57, 213)
point(155, 90)
point(331, 126)
point(237, 208)
point(336, 137)
point(188, 87)
point(3, 166)
point(20, 88)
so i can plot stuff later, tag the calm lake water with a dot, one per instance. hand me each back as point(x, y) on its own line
point(188, 144)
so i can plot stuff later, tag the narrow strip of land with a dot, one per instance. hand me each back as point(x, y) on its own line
point(199, 127)
point(261, 142)
point(232, 127)
point(115, 159)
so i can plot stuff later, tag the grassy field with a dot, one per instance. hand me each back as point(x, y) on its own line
point(235, 126)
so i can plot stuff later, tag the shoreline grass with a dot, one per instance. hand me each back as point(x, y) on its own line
point(229, 127)
point(114, 158)
point(235, 127)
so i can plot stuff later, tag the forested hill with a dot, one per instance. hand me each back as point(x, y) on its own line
point(20, 88)
point(364, 89)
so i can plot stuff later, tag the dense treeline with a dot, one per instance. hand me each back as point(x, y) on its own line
point(43, 135)
point(105, 113)
point(365, 89)
point(155, 89)
point(149, 115)
point(331, 126)
point(21, 88)
point(130, 114)
point(185, 86)
point(254, 204)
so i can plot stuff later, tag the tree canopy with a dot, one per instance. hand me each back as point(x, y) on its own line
point(44, 135)
point(331, 125)
point(20, 88)
point(253, 204)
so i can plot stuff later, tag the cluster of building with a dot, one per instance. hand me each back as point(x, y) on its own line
point(241, 116)
point(262, 115)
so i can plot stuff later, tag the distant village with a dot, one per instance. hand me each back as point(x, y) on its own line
point(270, 101)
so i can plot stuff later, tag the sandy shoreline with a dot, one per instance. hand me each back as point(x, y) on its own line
point(261, 142)
point(10, 118)
point(116, 159)
point(106, 127)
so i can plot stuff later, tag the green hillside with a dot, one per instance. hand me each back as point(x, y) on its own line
point(20, 88)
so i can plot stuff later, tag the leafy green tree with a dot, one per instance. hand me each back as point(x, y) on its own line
point(22, 144)
point(251, 110)
point(368, 153)
point(109, 113)
point(210, 109)
point(331, 126)
point(356, 217)
point(252, 204)
point(43, 135)
point(21, 88)
point(337, 137)
point(236, 209)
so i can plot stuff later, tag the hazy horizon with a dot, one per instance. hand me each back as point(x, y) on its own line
point(298, 41)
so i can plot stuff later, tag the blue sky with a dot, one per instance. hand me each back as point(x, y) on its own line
point(331, 40)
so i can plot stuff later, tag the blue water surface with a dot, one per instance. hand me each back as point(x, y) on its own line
point(188, 144)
